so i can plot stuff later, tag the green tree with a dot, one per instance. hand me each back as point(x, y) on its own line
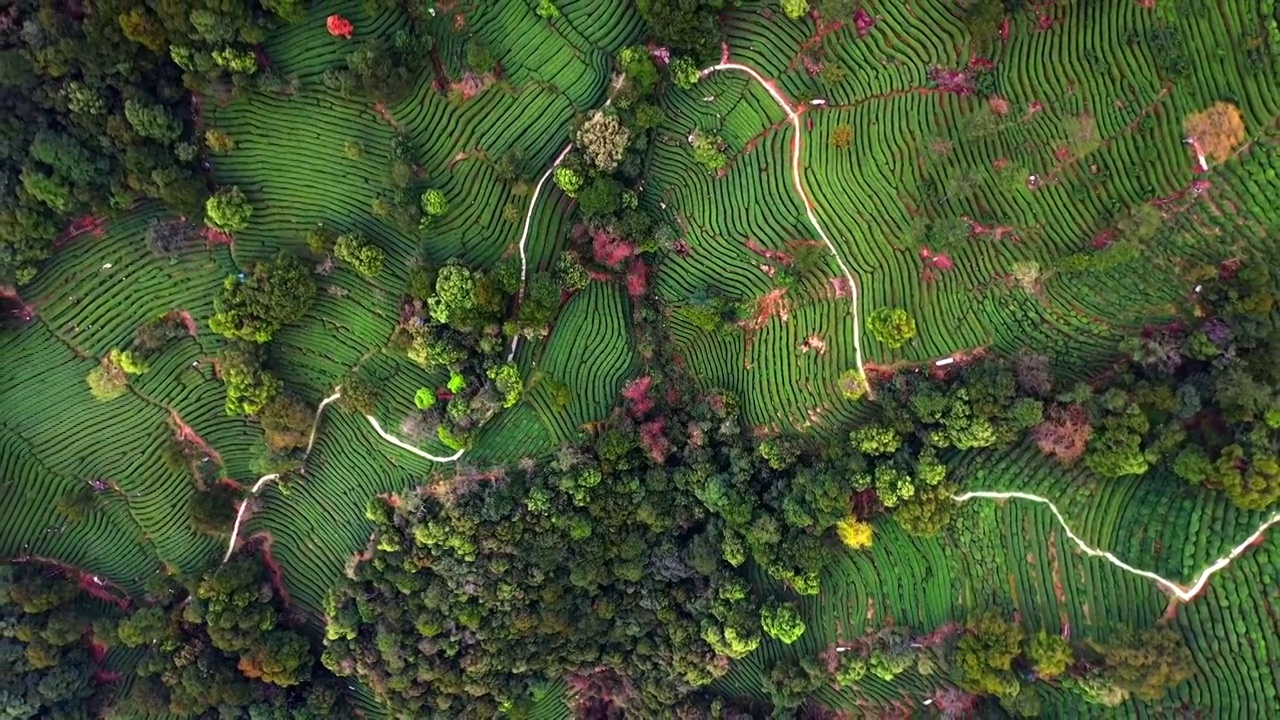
point(1050, 655)
point(434, 203)
point(355, 250)
point(795, 9)
point(684, 73)
point(213, 511)
point(507, 379)
point(1116, 452)
point(253, 308)
point(891, 326)
point(228, 210)
point(604, 139)
point(286, 422)
point(876, 439)
point(249, 387)
point(152, 121)
point(1147, 663)
point(424, 399)
point(568, 180)
point(926, 513)
point(984, 657)
point(782, 621)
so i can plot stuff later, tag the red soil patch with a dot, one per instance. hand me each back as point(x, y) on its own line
point(380, 110)
point(95, 225)
point(185, 434)
point(264, 541)
point(95, 585)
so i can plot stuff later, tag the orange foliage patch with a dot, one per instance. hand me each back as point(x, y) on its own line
point(1219, 130)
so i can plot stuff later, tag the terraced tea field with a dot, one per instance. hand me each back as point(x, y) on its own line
point(969, 210)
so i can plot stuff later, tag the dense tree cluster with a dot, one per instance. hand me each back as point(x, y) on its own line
point(253, 306)
point(472, 594)
point(223, 647)
point(920, 418)
point(220, 647)
point(1201, 396)
point(460, 320)
point(49, 666)
point(994, 657)
point(687, 26)
point(97, 108)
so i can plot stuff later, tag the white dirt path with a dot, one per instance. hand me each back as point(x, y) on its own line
point(1183, 593)
point(533, 203)
point(311, 439)
point(794, 117)
point(524, 235)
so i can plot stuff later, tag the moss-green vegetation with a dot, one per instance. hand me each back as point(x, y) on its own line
point(682, 483)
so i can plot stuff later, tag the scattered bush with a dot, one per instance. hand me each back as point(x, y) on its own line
point(547, 9)
point(219, 141)
point(841, 137)
point(891, 326)
point(320, 239)
point(357, 252)
point(358, 395)
point(708, 150)
point(479, 58)
point(1219, 130)
point(604, 139)
point(853, 384)
point(434, 203)
point(228, 210)
point(128, 362)
point(106, 382)
point(781, 621)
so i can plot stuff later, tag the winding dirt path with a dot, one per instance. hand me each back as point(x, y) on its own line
point(1183, 593)
point(524, 235)
point(405, 446)
point(794, 117)
point(311, 440)
point(614, 87)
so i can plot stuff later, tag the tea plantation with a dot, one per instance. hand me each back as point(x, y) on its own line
point(643, 358)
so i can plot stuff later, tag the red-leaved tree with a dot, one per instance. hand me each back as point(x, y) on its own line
point(339, 26)
point(1064, 433)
